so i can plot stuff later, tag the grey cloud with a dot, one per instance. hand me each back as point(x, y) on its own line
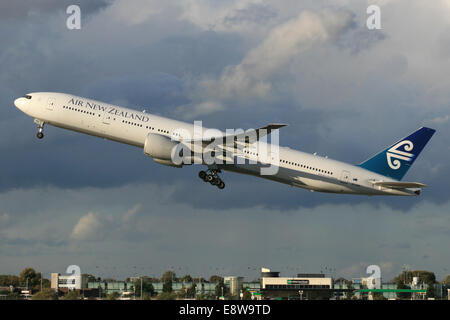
point(253, 13)
point(89, 227)
point(155, 92)
point(5, 219)
point(403, 245)
point(104, 227)
point(19, 238)
point(358, 235)
point(250, 79)
point(358, 39)
point(345, 98)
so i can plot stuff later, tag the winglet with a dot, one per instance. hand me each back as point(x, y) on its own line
point(273, 126)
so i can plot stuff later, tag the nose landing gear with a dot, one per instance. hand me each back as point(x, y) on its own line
point(211, 176)
point(40, 133)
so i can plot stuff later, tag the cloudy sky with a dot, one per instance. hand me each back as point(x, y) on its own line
point(344, 90)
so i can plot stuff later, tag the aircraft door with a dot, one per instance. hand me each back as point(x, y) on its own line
point(50, 103)
point(106, 121)
point(106, 118)
point(345, 176)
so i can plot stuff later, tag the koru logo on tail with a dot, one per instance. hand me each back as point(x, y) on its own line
point(397, 155)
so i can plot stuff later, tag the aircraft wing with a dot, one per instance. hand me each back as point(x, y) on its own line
point(231, 142)
point(252, 135)
point(398, 184)
point(242, 138)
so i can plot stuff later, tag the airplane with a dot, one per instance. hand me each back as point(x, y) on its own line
point(248, 153)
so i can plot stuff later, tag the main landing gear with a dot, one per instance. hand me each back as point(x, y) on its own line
point(211, 176)
point(40, 133)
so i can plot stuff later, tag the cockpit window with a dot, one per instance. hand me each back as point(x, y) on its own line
point(27, 96)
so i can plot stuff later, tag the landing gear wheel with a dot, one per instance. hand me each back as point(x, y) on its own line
point(202, 175)
point(212, 176)
point(40, 133)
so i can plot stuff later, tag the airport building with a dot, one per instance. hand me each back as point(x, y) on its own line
point(303, 286)
point(234, 285)
point(271, 285)
point(205, 288)
point(72, 282)
point(358, 289)
point(103, 288)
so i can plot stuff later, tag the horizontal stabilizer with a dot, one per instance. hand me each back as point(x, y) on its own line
point(398, 185)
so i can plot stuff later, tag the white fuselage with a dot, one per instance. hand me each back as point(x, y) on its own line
point(129, 126)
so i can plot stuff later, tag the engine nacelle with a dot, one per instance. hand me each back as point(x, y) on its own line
point(167, 163)
point(162, 149)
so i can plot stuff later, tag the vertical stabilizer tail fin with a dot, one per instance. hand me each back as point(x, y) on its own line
point(395, 160)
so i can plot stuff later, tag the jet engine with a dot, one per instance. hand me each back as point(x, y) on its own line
point(163, 150)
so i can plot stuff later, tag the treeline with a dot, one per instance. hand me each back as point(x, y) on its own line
point(169, 277)
point(404, 279)
point(34, 281)
point(28, 278)
point(144, 289)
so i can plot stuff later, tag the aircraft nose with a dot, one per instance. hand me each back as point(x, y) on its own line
point(20, 103)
